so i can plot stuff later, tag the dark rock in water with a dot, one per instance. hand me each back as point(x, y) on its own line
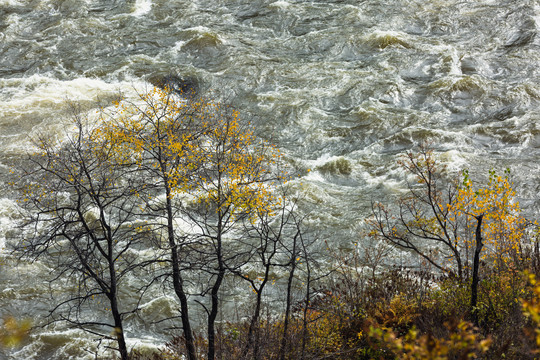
point(469, 66)
point(503, 113)
point(523, 36)
point(520, 39)
point(186, 87)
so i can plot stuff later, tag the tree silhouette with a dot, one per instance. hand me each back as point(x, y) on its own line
point(82, 219)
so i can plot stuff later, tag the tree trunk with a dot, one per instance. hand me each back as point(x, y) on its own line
point(113, 300)
point(113, 293)
point(253, 331)
point(283, 345)
point(476, 265)
point(178, 283)
point(119, 330)
point(215, 291)
point(213, 315)
point(536, 256)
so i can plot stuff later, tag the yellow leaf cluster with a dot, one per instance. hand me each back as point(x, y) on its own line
point(531, 308)
point(503, 226)
point(13, 331)
point(463, 343)
point(197, 146)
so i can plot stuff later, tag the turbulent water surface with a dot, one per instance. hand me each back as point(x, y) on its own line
point(342, 87)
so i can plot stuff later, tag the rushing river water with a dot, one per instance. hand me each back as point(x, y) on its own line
point(344, 82)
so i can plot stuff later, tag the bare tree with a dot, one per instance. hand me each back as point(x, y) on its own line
point(267, 240)
point(424, 223)
point(82, 219)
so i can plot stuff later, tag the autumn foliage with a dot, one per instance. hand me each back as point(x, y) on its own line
point(437, 220)
point(193, 143)
point(188, 179)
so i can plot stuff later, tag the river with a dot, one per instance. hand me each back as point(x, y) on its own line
point(349, 82)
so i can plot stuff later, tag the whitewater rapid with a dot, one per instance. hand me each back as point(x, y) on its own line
point(343, 88)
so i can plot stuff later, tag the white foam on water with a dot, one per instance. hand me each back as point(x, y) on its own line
point(382, 33)
point(67, 344)
point(146, 345)
point(314, 176)
point(536, 18)
point(76, 344)
point(39, 100)
point(177, 47)
point(142, 7)
point(384, 180)
point(455, 160)
point(10, 3)
point(39, 90)
point(158, 308)
point(200, 29)
point(14, 27)
point(280, 4)
point(9, 210)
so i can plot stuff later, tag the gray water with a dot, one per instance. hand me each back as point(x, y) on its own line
point(355, 82)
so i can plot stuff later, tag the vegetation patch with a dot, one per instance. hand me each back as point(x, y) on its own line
point(339, 166)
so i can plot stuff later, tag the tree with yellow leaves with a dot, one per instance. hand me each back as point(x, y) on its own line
point(162, 133)
point(442, 219)
point(505, 228)
point(205, 166)
point(234, 185)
